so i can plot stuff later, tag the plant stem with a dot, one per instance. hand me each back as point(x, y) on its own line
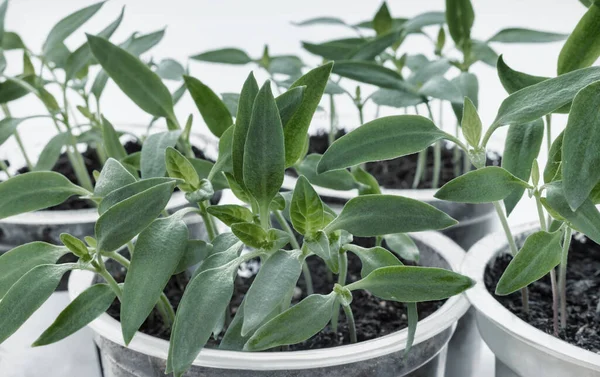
point(4, 168)
point(351, 325)
point(549, 131)
point(513, 250)
point(305, 270)
point(421, 163)
point(553, 271)
point(437, 154)
point(562, 278)
point(332, 120)
point(101, 270)
point(456, 152)
point(360, 114)
point(6, 111)
point(342, 276)
point(208, 222)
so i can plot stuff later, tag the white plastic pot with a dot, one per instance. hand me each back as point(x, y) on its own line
point(48, 225)
point(521, 350)
point(383, 357)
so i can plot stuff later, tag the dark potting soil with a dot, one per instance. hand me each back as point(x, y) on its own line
point(583, 283)
point(374, 317)
point(399, 173)
point(92, 162)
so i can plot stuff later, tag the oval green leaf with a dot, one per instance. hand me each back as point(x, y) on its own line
point(213, 110)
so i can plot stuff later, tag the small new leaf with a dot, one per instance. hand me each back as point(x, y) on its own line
point(471, 123)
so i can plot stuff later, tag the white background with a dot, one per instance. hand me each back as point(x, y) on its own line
point(200, 25)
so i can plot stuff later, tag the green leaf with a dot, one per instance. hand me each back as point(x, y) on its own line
point(135, 79)
point(264, 152)
point(382, 139)
point(294, 325)
point(403, 246)
point(275, 279)
point(413, 284)
point(153, 153)
point(124, 220)
point(237, 189)
point(440, 88)
point(413, 320)
point(289, 102)
point(382, 22)
point(34, 191)
point(460, 18)
point(396, 98)
point(373, 48)
point(521, 35)
point(179, 167)
point(251, 234)
point(226, 247)
point(27, 295)
point(368, 181)
point(471, 123)
point(224, 162)
point(8, 126)
point(74, 244)
point(3, 8)
point(340, 179)
point(553, 170)
point(585, 219)
point(231, 214)
point(128, 191)
point(514, 80)
point(195, 252)
point(242, 123)
point(286, 65)
point(481, 51)
point(581, 146)
point(373, 258)
point(207, 293)
point(112, 144)
point(521, 147)
point(86, 307)
point(20, 260)
point(537, 100)
point(170, 69)
point(213, 110)
point(428, 71)
point(81, 57)
point(138, 45)
point(582, 49)
point(483, 185)
point(224, 55)
point(204, 192)
point(12, 41)
point(296, 128)
point(319, 244)
point(321, 21)
point(113, 176)
point(338, 49)
point(371, 73)
point(422, 20)
point(10, 90)
point(231, 101)
point(306, 209)
point(156, 256)
point(538, 256)
point(67, 26)
point(375, 215)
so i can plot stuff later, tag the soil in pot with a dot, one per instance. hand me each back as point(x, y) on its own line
point(583, 294)
point(374, 317)
point(92, 162)
point(399, 173)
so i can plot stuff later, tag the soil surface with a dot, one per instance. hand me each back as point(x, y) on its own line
point(374, 317)
point(399, 173)
point(583, 294)
point(92, 162)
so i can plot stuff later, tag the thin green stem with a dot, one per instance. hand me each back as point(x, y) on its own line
point(421, 164)
point(342, 277)
point(101, 270)
point(513, 249)
point(553, 283)
point(360, 114)
point(294, 242)
point(4, 168)
point(456, 153)
point(437, 154)
point(548, 131)
point(208, 222)
point(562, 277)
point(541, 214)
point(351, 324)
point(332, 120)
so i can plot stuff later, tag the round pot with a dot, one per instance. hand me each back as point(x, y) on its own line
point(48, 225)
point(521, 350)
point(383, 357)
point(475, 222)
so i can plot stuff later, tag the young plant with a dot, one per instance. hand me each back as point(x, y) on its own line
point(571, 181)
point(267, 137)
point(69, 74)
point(404, 80)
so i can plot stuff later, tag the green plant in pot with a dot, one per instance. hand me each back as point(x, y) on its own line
point(269, 314)
point(70, 85)
point(375, 54)
point(565, 194)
